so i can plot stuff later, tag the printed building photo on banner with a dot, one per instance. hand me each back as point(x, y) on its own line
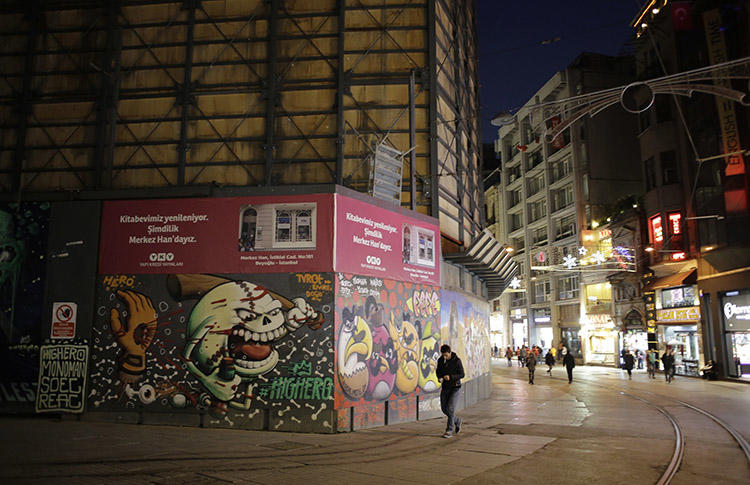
point(387, 341)
point(232, 346)
point(277, 226)
point(418, 246)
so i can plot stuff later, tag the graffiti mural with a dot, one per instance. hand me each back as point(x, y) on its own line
point(234, 346)
point(23, 247)
point(466, 328)
point(388, 339)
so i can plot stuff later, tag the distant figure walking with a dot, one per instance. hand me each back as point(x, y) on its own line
point(569, 362)
point(509, 356)
point(652, 363)
point(522, 357)
point(628, 363)
point(668, 360)
point(450, 371)
point(549, 359)
point(531, 364)
point(639, 354)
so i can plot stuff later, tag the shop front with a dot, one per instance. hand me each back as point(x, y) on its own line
point(679, 329)
point(634, 333)
point(735, 309)
point(600, 339)
point(519, 327)
point(569, 322)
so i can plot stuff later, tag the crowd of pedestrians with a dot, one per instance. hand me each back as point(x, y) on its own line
point(529, 357)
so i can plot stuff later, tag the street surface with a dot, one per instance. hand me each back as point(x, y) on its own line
point(602, 429)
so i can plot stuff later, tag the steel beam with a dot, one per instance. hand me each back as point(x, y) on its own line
point(340, 92)
point(270, 89)
point(412, 143)
point(185, 98)
point(433, 67)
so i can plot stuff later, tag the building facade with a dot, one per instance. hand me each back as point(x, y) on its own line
point(550, 193)
point(696, 200)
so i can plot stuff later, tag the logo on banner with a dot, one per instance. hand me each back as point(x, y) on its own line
point(739, 312)
point(64, 320)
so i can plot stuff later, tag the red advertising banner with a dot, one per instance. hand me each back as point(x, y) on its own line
point(269, 234)
point(377, 242)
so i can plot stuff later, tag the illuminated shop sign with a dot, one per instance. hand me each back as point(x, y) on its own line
point(675, 223)
point(677, 315)
point(657, 231)
point(736, 308)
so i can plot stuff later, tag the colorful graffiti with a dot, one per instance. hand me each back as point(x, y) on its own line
point(23, 248)
point(225, 344)
point(388, 338)
point(465, 327)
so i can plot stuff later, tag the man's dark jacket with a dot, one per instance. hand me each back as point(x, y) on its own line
point(451, 367)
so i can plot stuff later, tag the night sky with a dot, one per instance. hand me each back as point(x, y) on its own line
point(513, 62)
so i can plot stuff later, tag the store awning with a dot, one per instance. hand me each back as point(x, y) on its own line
point(678, 279)
point(489, 260)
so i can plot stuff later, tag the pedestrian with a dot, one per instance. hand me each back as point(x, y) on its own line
point(640, 355)
point(549, 359)
point(569, 362)
point(652, 363)
point(628, 363)
point(509, 356)
point(668, 360)
point(531, 364)
point(522, 359)
point(494, 351)
point(450, 371)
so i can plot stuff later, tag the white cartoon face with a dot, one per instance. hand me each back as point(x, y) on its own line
point(230, 333)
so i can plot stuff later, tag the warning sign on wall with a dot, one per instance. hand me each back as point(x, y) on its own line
point(64, 320)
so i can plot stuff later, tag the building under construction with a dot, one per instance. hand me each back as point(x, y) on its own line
point(178, 96)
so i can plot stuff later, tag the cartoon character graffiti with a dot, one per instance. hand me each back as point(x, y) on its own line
point(430, 352)
point(406, 340)
point(353, 351)
point(382, 364)
point(230, 331)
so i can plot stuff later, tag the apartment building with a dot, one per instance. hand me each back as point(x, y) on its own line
point(549, 192)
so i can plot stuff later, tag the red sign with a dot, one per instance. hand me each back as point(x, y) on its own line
point(64, 316)
point(558, 141)
point(657, 232)
point(378, 242)
point(272, 234)
point(674, 223)
point(681, 16)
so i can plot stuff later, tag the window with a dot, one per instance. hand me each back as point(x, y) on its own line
point(515, 221)
point(567, 287)
point(560, 169)
point(650, 174)
point(248, 228)
point(542, 291)
point(562, 198)
point(539, 236)
point(542, 315)
point(518, 244)
point(514, 173)
point(566, 227)
point(537, 210)
point(669, 174)
point(536, 184)
point(514, 197)
point(535, 159)
point(294, 227)
point(518, 299)
point(678, 297)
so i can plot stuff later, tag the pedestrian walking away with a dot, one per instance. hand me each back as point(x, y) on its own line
point(569, 362)
point(450, 371)
point(549, 359)
point(668, 360)
point(628, 363)
point(522, 357)
point(653, 361)
point(509, 356)
point(531, 364)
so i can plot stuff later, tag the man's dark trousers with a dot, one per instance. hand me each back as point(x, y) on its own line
point(448, 399)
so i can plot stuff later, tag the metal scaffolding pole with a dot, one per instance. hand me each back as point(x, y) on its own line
point(185, 96)
point(271, 90)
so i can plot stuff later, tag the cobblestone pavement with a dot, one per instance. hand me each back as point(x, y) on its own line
point(594, 431)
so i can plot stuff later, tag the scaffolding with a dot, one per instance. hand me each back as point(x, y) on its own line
point(113, 95)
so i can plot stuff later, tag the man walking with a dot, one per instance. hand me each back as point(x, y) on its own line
point(668, 360)
point(522, 357)
point(628, 363)
point(509, 356)
point(531, 364)
point(450, 371)
point(549, 359)
point(569, 362)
